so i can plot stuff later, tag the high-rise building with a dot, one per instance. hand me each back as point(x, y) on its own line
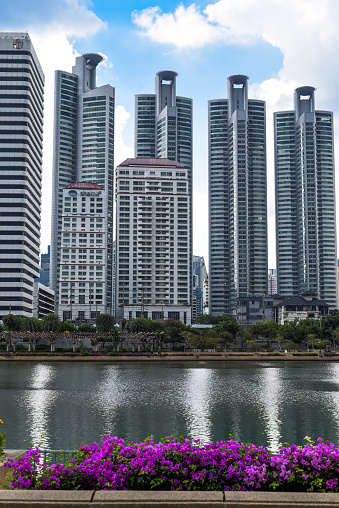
point(163, 128)
point(199, 275)
point(21, 129)
point(83, 152)
point(305, 200)
point(237, 197)
point(153, 265)
point(206, 296)
point(45, 261)
point(83, 282)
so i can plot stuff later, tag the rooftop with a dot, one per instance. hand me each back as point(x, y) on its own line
point(83, 185)
point(141, 161)
point(300, 301)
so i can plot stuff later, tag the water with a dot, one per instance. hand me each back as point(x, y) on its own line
point(264, 403)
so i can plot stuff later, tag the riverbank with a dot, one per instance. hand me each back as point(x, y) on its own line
point(168, 357)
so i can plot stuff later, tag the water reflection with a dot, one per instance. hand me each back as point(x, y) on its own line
point(270, 397)
point(38, 402)
point(110, 395)
point(198, 397)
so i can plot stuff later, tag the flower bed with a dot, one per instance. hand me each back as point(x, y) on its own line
point(179, 464)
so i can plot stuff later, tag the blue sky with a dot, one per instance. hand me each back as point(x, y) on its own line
point(278, 44)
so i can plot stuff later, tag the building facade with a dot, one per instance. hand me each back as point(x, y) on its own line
point(83, 152)
point(83, 272)
point(255, 309)
point(206, 295)
point(305, 200)
point(237, 197)
point(21, 130)
point(153, 263)
point(272, 281)
point(43, 300)
point(199, 276)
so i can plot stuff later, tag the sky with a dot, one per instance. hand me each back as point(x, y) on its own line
point(279, 44)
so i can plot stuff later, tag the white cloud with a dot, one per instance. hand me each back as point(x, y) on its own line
point(185, 28)
point(121, 150)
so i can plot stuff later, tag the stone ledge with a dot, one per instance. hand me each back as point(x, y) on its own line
point(145, 499)
point(159, 499)
point(281, 500)
point(48, 498)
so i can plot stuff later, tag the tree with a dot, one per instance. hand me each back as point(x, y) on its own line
point(311, 337)
point(227, 324)
point(86, 327)
point(244, 336)
point(209, 319)
point(31, 324)
point(104, 322)
point(142, 324)
point(174, 331)
point(67, 326)
point(290, 345)
point(115, 335)
point(51, 323)
point(253, 346)
point(220, 336)
point(298, 330)
point(137, 325)
point(329, 324)
point(280, 340)
point(196, 340)
point(12, 323)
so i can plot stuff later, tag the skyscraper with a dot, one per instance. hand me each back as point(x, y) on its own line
point(21, 128)
point(83, 152)
point(163, 123)
point(163, 128)
point(237, 197)
point(153, 266)
point(305, 199)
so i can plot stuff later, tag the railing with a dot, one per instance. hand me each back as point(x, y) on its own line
point(53, 456)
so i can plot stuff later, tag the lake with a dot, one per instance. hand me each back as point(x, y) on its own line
point(73, 403)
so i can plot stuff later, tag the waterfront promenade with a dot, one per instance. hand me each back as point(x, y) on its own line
point(170, 357)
